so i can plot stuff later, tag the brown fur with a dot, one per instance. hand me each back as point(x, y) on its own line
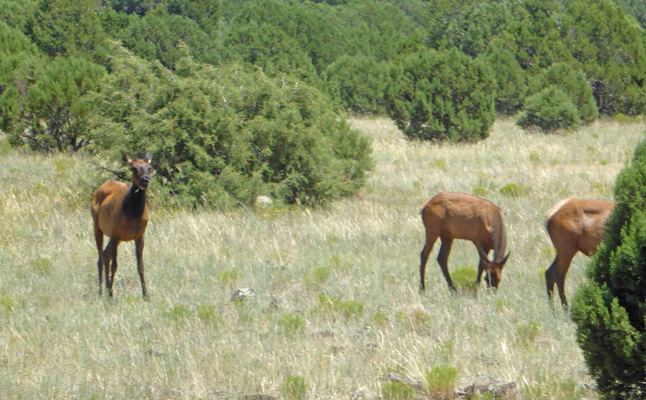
point(461, 216)
point(119, 211)
point(573, 225)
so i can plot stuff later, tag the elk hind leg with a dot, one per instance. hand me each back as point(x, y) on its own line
point(556, 274)
point(110, 256)
point(443, 258)
point(426, 251)
point(98, 235)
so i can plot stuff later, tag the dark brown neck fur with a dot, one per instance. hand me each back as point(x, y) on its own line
point(135, 202)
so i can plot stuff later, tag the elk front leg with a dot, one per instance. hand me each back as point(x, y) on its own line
point(139, 248)
point(443, 259)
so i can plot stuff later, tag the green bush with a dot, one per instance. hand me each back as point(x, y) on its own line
point(357, 83)
point(442, 95)
point(510, 81)
point(572, 82)
point(441, 381)
point(59, 106)
point(224, 136)
point(550, 110)
point(609, 309)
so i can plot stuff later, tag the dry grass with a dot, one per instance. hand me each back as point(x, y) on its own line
point(336, 305)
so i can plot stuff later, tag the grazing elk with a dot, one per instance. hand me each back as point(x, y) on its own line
point(119, 211)
point(461, 216)
point(573, 225)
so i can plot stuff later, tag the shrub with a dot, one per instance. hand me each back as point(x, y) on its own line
point(510, 81)
point(573, 83)
point(442, 95)
point(550, 110)
point(609, 309)
point(59, 106)
point(441, 381)
point(224, 136)
point(357, 83)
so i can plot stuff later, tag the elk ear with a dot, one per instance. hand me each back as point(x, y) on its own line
point(126, 158)
point(148, 157)
point(504, 260)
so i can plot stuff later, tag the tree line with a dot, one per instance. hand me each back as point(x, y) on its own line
point(244, 98)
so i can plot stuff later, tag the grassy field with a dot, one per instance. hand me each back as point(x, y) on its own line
point(336, 312)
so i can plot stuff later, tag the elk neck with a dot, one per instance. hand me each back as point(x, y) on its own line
point(134, 203)
point(500, 241)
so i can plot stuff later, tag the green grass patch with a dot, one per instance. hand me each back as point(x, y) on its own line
point(441, 381)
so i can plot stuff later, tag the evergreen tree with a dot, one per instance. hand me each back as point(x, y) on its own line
point(267, 47)
point(574, 84)
point(609, 309)
point(510, 81)
point(358, 83)
point(161, 36)
point(534, 35)
point(551, 109)
point(19, 61)
point(475, 28)
point(223, 135)
point(59, 27)
point(442, 95)
point(59, 105)
point(611, 52)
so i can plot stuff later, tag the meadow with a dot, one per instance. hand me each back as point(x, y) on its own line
point(336, 312)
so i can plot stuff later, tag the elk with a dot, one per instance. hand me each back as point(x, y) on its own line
point(461, 216)
point(119, 211)
point(573, 225)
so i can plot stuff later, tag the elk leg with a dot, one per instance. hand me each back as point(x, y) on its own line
point(556, 274)
point(107, 258)
point(549, 278)
point(443, 258)
point(98, 235)
point(482, 264)
point(139, 248)
point(426, 251)
point(113, 255)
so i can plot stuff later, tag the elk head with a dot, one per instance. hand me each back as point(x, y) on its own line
point(493, 269)
point(141, 170)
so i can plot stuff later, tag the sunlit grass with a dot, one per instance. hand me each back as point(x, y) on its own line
point(336, 303)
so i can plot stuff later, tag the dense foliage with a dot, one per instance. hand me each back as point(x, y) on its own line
point(610, 309)
point(442, 95)
point(441, 69)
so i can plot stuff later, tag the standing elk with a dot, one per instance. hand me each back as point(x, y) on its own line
point(461, 216)
point(119, 211)
point(573, 225)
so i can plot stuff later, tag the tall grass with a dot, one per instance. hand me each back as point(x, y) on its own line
point(336, 305)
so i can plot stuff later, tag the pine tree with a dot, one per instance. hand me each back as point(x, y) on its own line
point(442, 95)
point(609, 309)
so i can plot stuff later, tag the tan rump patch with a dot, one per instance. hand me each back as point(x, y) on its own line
point(554, 210)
